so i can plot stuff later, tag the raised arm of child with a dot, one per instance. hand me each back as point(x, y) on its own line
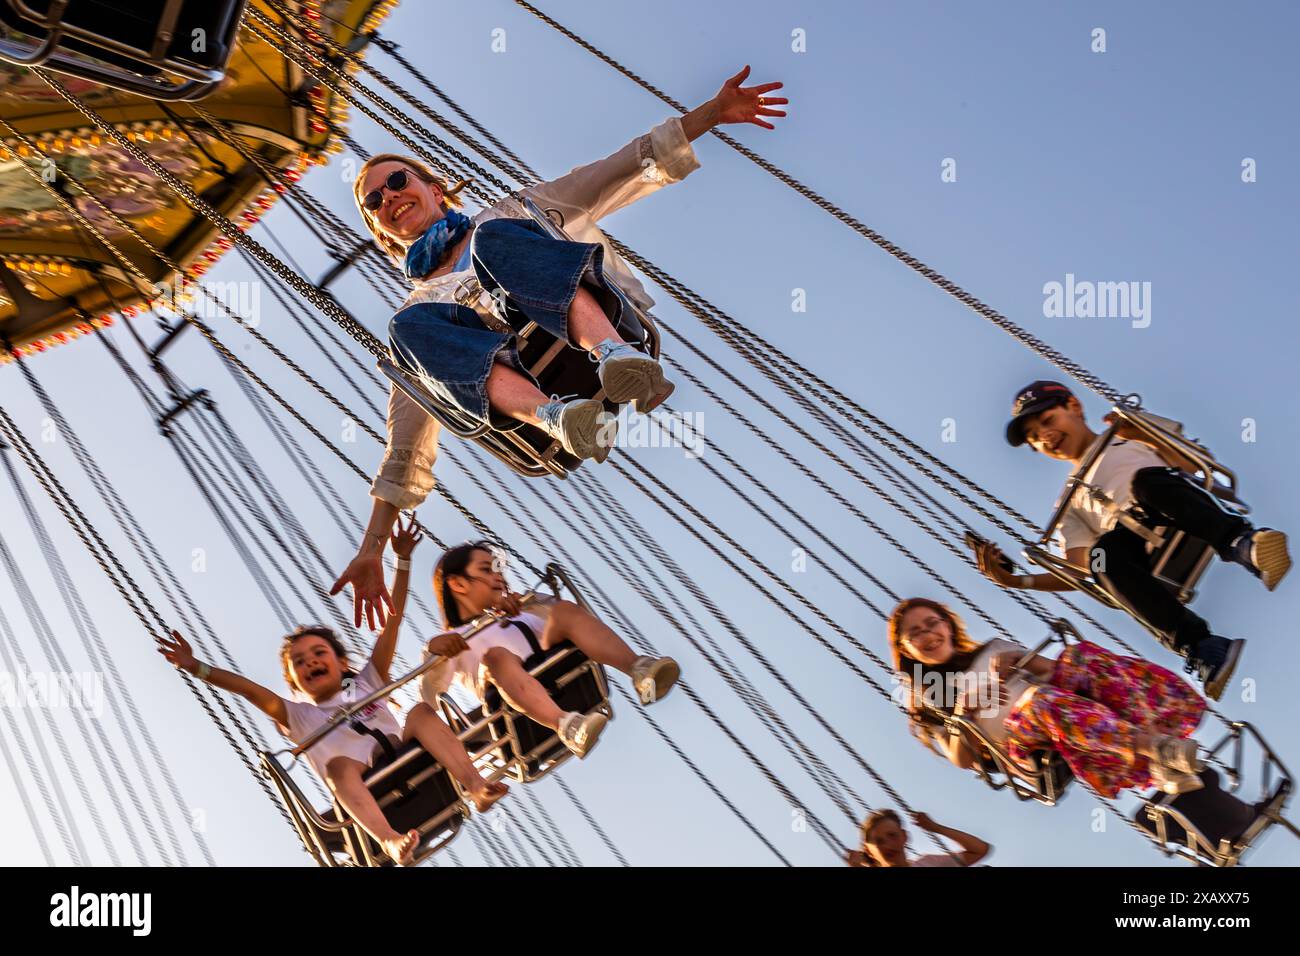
point(973, 849)
point(177, 650)
point(405, 538)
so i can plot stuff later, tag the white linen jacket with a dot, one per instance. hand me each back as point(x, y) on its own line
point(583, 196)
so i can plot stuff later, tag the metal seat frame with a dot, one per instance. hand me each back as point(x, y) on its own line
point(513, 447)
point(1164, 815)
point(50, 50)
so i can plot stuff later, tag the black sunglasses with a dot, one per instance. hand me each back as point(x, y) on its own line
point(395, 182)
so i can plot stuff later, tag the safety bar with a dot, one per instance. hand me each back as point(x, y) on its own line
point(483, 621)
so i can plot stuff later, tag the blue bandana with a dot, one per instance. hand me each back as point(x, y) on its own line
point(426, 252)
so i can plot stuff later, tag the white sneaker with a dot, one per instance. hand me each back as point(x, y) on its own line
point(627, 375)
point(1172, 781)
point(1178, 754)
point(579, 732)
point(584, 426)
point(654, 677)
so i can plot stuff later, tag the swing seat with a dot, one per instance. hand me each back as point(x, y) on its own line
point(145, 47)
point(521, 748)
point(558, 369)
point(1177, 560)
point(412, 789)
point(1044, 780)
point(1213, 826)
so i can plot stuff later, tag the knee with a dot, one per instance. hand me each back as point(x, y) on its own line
point(338, 770)
point(497, 659)
point(1146, 481)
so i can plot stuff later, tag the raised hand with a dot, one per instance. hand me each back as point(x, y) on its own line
point(405, 537)
point(741, 104)
point(369, 592)
point(178, 652)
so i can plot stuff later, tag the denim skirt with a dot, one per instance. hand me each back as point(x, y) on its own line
point(450, 348)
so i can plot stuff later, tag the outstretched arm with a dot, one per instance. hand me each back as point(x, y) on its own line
point(177, 650)
point(405, 538)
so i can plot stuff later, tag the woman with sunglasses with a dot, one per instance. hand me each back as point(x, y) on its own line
point(474, 278)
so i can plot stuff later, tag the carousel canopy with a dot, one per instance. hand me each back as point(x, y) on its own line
point(56, 281)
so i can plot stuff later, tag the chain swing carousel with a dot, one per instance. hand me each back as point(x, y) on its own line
point(133, 161)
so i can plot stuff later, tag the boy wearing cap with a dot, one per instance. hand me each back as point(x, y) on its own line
point(1050, 419)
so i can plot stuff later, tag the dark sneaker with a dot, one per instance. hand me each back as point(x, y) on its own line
point(1213, 661)
point(1263, 553)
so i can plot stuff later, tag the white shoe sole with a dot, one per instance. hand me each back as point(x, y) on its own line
point(1271, 557)
point(655, 685)
point(1174, 783)
point(587, 430)
point(650, 404)
point(595, 727)
point(633, 378)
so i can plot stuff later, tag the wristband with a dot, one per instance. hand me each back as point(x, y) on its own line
point(402, 564)
point(203, 671)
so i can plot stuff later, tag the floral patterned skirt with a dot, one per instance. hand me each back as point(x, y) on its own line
point(1096, 704)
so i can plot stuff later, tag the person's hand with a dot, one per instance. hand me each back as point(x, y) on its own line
point(369, 592)
point(923, 821)
point(405, 537)
point(737, 104)
point(1126, 430)
point(992, 564)
point(178, 652)
point(1001, 665)
point(508, 604)
point(447, 645)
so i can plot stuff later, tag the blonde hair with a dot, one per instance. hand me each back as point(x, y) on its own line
point(450, 196)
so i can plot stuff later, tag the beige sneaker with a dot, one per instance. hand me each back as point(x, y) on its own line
point(1172, 781)
point(580, 732)
point(1179, 754)
point(654, 677)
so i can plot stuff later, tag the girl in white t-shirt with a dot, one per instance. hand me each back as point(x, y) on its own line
point(316, 667)
point(1119, 722)
point(469, 580)
point(884, 843)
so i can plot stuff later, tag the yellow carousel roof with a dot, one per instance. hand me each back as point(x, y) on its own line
point(55, 272)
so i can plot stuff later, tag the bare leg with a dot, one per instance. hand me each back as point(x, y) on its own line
point(588, 323)
point(436, 737)
point(343, 775)
point(571, 622)
point(510, 393)
point(520, 689)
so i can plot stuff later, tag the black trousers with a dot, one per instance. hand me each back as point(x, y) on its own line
point(1166, 496)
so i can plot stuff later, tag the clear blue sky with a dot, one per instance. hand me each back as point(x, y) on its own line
point(1115, 166)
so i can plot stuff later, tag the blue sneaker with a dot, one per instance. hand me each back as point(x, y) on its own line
point(1264, 554)
point(1213, 661)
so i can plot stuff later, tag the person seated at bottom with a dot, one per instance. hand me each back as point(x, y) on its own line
point(884, 843)
point(1118, 722)
point(469, 580)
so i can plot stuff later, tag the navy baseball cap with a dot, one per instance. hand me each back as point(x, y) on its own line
point(1030, 400)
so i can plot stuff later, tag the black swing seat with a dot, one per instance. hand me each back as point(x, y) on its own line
point(1177, 560)
point(558, 368)
point(1213, 826)
point(413, 790)
point(145, 46)
point(510, 744)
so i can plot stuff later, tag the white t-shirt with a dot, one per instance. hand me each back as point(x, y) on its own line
point(1086, 520)
point(466, 668)
point(986, 710)
point(306, 716)
point(936, 859)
